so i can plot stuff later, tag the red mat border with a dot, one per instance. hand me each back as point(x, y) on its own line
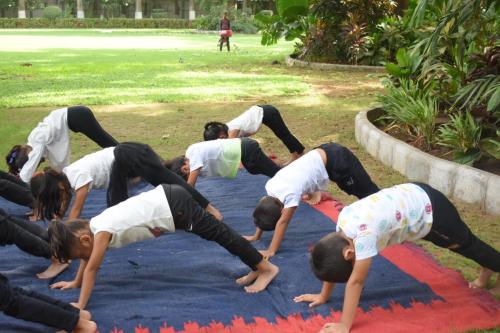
point(463, 309)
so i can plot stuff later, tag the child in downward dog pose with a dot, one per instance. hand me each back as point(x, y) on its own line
point(303, 179)
point(163, 209)
point(222, 158)
point(401, 213)
point(32, 306)
point(30, 238)
point(109, 168)
point(50, 140)
point(249, 123)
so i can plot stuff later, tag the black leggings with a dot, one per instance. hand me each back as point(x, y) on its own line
point(449, 231)
point(82, 120)
point(189, 216)
point(344, 168)
point(254, 159)
point(272, 119)
point(139, 160)
point(15, 190)
point(32, 306)
point(27, 236)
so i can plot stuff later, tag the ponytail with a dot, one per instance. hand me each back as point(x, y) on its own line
point(16, 158)
point(63, 236)
point(213, 130)
point(52, 192)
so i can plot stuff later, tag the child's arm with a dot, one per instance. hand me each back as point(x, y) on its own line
point(256, 236)
point(353, 293)
point(80, 197)
point(234, 133)
point(193, 176)
point(279, 232)
point(101, 241)
point(76, 283)
point(317, 299)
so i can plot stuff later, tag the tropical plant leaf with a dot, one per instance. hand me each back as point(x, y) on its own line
point(289, 10)
point(491, 146)
point(468, 157)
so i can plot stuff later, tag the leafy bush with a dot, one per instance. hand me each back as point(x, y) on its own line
point(462, 134)
point(52, 12)
point(413, 109)
point(114, 23)
point(159, 13)
point(240, 21)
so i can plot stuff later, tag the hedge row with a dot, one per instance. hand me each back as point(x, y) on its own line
point(12, 23)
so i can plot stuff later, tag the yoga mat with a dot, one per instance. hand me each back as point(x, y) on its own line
point(182, 283)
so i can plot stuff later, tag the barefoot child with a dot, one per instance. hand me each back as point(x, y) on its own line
point(32, 306)
point(109, 168)
point(163, 209)
point(50, 140)
point(249, 123)
point(304, 178)
point(30, 238)
point(222, 158)
point(401, 213)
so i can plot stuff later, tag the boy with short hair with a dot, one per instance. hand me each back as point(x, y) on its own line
point(166, 208)
point(304, 178)
point(406, 212)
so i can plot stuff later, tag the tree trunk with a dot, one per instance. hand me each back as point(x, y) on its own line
point(192, 13)
point(21, 9)
point(79, 9)
point(138, 10)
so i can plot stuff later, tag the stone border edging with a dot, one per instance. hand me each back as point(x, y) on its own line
point(454, 180)
point(291, 62)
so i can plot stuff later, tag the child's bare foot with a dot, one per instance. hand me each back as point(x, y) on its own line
point(53, 270)
point(85, 326)
point(266, 273)
point(482, 280)
point(247, 279)
point(312, 198)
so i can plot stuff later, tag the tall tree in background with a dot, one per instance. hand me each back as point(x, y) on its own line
point(138, 9)
point(21, 9)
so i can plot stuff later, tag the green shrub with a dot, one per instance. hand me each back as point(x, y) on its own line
point(94, 23)
point(159, 13)
point(52, 12)
point(462, 134)
point(412, 109)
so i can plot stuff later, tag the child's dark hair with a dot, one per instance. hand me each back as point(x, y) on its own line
point(16, 158)
point(175, 165)
point(213, 130)
point(327, 259)
point(63, 236)
point(267, 213)
point(52, 192)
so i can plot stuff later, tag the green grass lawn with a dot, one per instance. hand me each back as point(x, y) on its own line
point(164, 96)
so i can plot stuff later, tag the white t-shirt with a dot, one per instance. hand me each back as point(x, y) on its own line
point(306, 174)
point(93, 168)
point(248, 123)
point(390, 216)
point(50, 139)
point(135, 219)
point(220, 157)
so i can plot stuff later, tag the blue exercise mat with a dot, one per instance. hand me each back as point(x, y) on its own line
point(179, 278)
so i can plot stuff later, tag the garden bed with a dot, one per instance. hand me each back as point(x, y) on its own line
point(456, 180)
point(339, 67)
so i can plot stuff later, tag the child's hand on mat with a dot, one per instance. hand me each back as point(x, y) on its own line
point(267, 254)
point(314, 299)
point(334, 328)
point(63, 285)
